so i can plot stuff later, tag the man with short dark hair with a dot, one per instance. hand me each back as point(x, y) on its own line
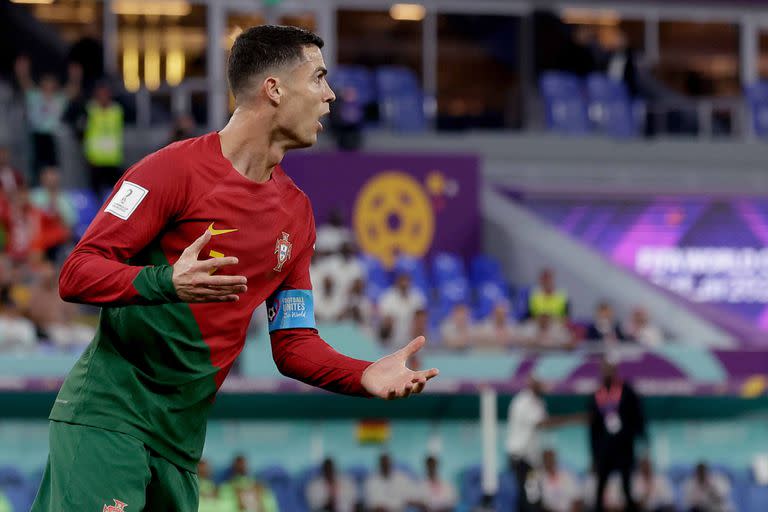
point(128, 425)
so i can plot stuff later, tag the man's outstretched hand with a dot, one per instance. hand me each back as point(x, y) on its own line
point(390, 378)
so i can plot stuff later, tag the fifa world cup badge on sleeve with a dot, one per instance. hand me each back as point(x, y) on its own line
point(291, 309)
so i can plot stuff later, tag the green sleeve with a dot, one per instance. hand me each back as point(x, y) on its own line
point(155, 284)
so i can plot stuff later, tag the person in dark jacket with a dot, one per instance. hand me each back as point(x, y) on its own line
point(616, 421)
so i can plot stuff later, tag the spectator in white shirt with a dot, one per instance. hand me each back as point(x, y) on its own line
point(434, 494)
point(545, 332)
point(359, 307)
point(17, 334)
point(457, 331)
point(497, 331)
point(652, 491)
point(332, 235)
point(397, 306)
point(526, 416)
point(388, 490)
point(640, 329)
point(330, 302)
point(707, 492)
point(559, 490)
point(331, 491)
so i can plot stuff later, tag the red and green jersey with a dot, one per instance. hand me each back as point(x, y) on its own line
point(155, 363)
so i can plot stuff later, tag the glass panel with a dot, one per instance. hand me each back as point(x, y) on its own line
point(372, 38)
point(478, 72)
point(700, 59)
point(303, 20)
point(762, 65)
point(160, 46)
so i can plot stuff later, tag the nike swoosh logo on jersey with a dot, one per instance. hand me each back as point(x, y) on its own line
point(215, 232)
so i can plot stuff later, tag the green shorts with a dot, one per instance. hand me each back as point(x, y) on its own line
point(92, 469)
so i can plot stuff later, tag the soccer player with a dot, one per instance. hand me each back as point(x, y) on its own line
point(193, 238)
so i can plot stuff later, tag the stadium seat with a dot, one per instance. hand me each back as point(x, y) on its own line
point(359, 78)
point(401, 101)
point(564, 102)
point(447, 266)
point(16, 489)
point(489, 294)
point(392, 80)
point(87, 206)
point(377, 277)
point(282, 485)
point(610, 107)
point(757, 498)
point(484, 268)
point(757, 99)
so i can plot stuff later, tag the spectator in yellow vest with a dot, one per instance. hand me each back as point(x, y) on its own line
point(103, 139)
point(546, 299)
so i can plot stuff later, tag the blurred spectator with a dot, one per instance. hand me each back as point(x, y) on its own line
point(17, 334)
point(5, 504)
point(621, 61)
point(546, 299)
point(359, 307)
point(559, 490)
point(652, 491)
point(525, 419)
point(433, 494)
point(45, 106)
point(544, 331)
point(604, 326)
point(330, 302)
point(387, 489)
point(55, 319)
point(420, 324)
point(244, 493)
point(640, 329)
point(331, 491)
point(209, 494)
point(496, 331)
point(457, 331)
point(103, 139)
point(59, 212)
point(10, 178)
point(332, 235)
point(26, 238)
point(183, 128)
point(397, 306)
point(616, 421)
point(88, 53)
point(613, 500)
point(347, 114)
point(706, 491)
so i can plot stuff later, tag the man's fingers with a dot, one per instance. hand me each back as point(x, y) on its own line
point(413, 347)
point(220, 281)
point(220, 291)
point(198, 244)
point(427, 374)
point(214, 263)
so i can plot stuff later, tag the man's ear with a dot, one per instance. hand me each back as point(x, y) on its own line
point(272, 89)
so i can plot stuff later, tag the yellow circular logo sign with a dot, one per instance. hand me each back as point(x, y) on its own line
point(393, 215)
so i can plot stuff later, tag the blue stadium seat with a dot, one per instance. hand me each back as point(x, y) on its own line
point(86, 205)
point(401, 101)
point(484, 268)
point(564, 102)
point(757, 98)
point(610, 107)
point(281, 484)
point(447, 266)
point(395, 79)
point(377, 277)
point(489, 294)
point(15, 487)
point(757, 498)
point(359, 78)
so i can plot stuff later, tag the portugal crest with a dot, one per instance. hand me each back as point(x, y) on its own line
point(283, 251)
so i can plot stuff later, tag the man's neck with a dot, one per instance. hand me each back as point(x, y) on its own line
point(250, 144)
